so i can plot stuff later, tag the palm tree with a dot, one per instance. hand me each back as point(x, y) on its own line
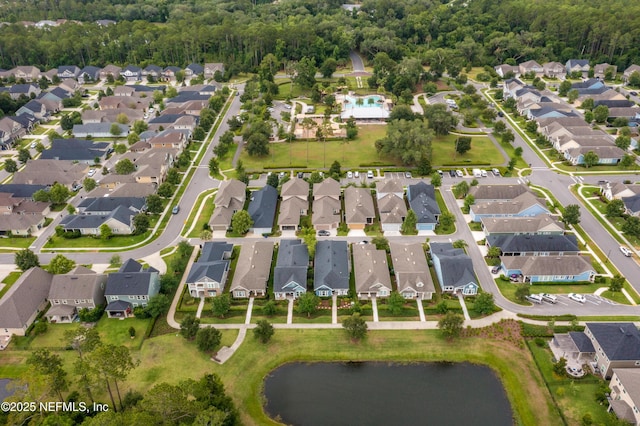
point(493, 252)
point(359, 101)
point(461, 244)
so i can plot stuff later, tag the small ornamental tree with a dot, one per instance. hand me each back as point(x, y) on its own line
point(189, 326)
point(263, 331)
point(355, 326)
point(451, 325)
point(221, 305)
point(208, 338)
point(26, 259)
point(308, 303)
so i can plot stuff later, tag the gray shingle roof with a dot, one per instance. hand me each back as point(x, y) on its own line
point(534, 243)
point(331, 265)
point(128, 283)
point(582, 341)
point(456, 266)
point(214, 250)
point(422, 200)
point(102, 204)
point(262, 207)
point(21, 190)
point(291, 265)
point(212, 270)
point(24, 297)
point(620, 341)
point(497, 192)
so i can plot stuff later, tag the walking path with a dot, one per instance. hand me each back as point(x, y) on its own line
point(334, 309)
point(200, 307)
point(464, 307)
point(421, 310)
point(174, 304)
point(249, 310)
point(374, 306)
point(290, 312)
point(225, 352)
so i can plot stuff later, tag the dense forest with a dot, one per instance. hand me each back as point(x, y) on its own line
point(241, 33)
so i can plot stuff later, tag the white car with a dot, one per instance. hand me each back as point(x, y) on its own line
point(349, 175)
point(625, 251)
point(356, 174)
point(370, 174)
point(91, 172)
point(459, 173)
point(577, 297)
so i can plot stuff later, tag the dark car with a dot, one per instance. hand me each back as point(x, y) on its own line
point(495, 269)
point(300, 175)
point(634, 93)
point(452, 173)
point(500, 114)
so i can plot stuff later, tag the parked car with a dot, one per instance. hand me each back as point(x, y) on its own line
point(350, 175)
point(175, 210)
point(356, 174)
point(407, 175)
point(500, 114)
point(281, 175)
point(440, 173)
point(287, 106)
point(370, 174)
point(535, 298)
point(364, 242)
point(625, 251)
point(91, 172)
point(76, 187)
point(452, 173)
point(33, 145)
point(483, 173)
point(548, 297)
point(577, 297)
point(496, 172)
point(324, 233)
point(300, 175)
point(634, 93)
point(459, 173)
point(495, 269)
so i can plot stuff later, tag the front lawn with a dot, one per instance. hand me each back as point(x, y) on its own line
point(16, 242)
point(483, 151)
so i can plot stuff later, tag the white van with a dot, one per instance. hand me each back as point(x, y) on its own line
point(484, 173)
point(535, 298)
point(477, 173)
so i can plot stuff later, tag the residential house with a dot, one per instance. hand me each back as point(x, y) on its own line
point(630, 70)
point(534, 245)
point(99, 206)
point(68, 71)
point(554, 70)
point(152, 72)
point(230, 198)
point(21, 190)
point(81, 288)
point(170, 138)
point(531, 66)
point(89, 74)
point(100, 130)
point(211, 68)
point(393, 211)
point(28, 90)
point(625, 395)
point(326, 205)
point(28, 73)
point(524, 205)
point(505, 70)
point(111, 115)
point(619, 190)
point(262, 209)
point(371, 271)
point(606, 154)
point(294, 204)
point(169, 73)
point(22, 303)
point(422, 200)
point(21, 224)
point(36, 108)
point(290, 273)
point(454, 269)
point(110, 70)
point(554, 111)
point(105, 22)
point(632, 113)
point(124, 91)
point(10, 131)
point(208, 275)
point(48, 172)
point(632, 205)
point(252, 270)
point(389, 186)
point(543, 224)
point(616, 345)
point(532, 269)
point(578, 65)
point(77, 150)
point(131, 73)
point(173, 121)
point(193, 70)
point(152, 165)
point(490, 193)
point(131, 287)
point(564, 144)
point(410, 266)
point(119, 221)
point(359, 210)
point(331, 268)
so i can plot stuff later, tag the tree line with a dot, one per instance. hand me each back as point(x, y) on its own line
point(445, 37)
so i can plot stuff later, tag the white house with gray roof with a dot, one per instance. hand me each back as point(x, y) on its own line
point(422, 200)
point(331, 268)
point(371, 271)
point(625, 394)
point(542, 224)
point(207, 276)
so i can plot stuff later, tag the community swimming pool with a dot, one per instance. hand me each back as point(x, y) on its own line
point(367, 101)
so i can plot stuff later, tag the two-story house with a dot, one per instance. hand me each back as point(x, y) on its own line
point(80, 288)
point(131, 287)
point(208, 275)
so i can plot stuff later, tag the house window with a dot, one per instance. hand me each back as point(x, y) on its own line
point(240, 294)
point(383, 292)
point(113, 297)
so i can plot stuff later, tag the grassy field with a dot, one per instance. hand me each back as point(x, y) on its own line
point(16, 242)
point(483, 150)
point(350, 154)
point(205, 214)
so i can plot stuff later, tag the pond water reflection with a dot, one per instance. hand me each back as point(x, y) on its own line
point(375, 393)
